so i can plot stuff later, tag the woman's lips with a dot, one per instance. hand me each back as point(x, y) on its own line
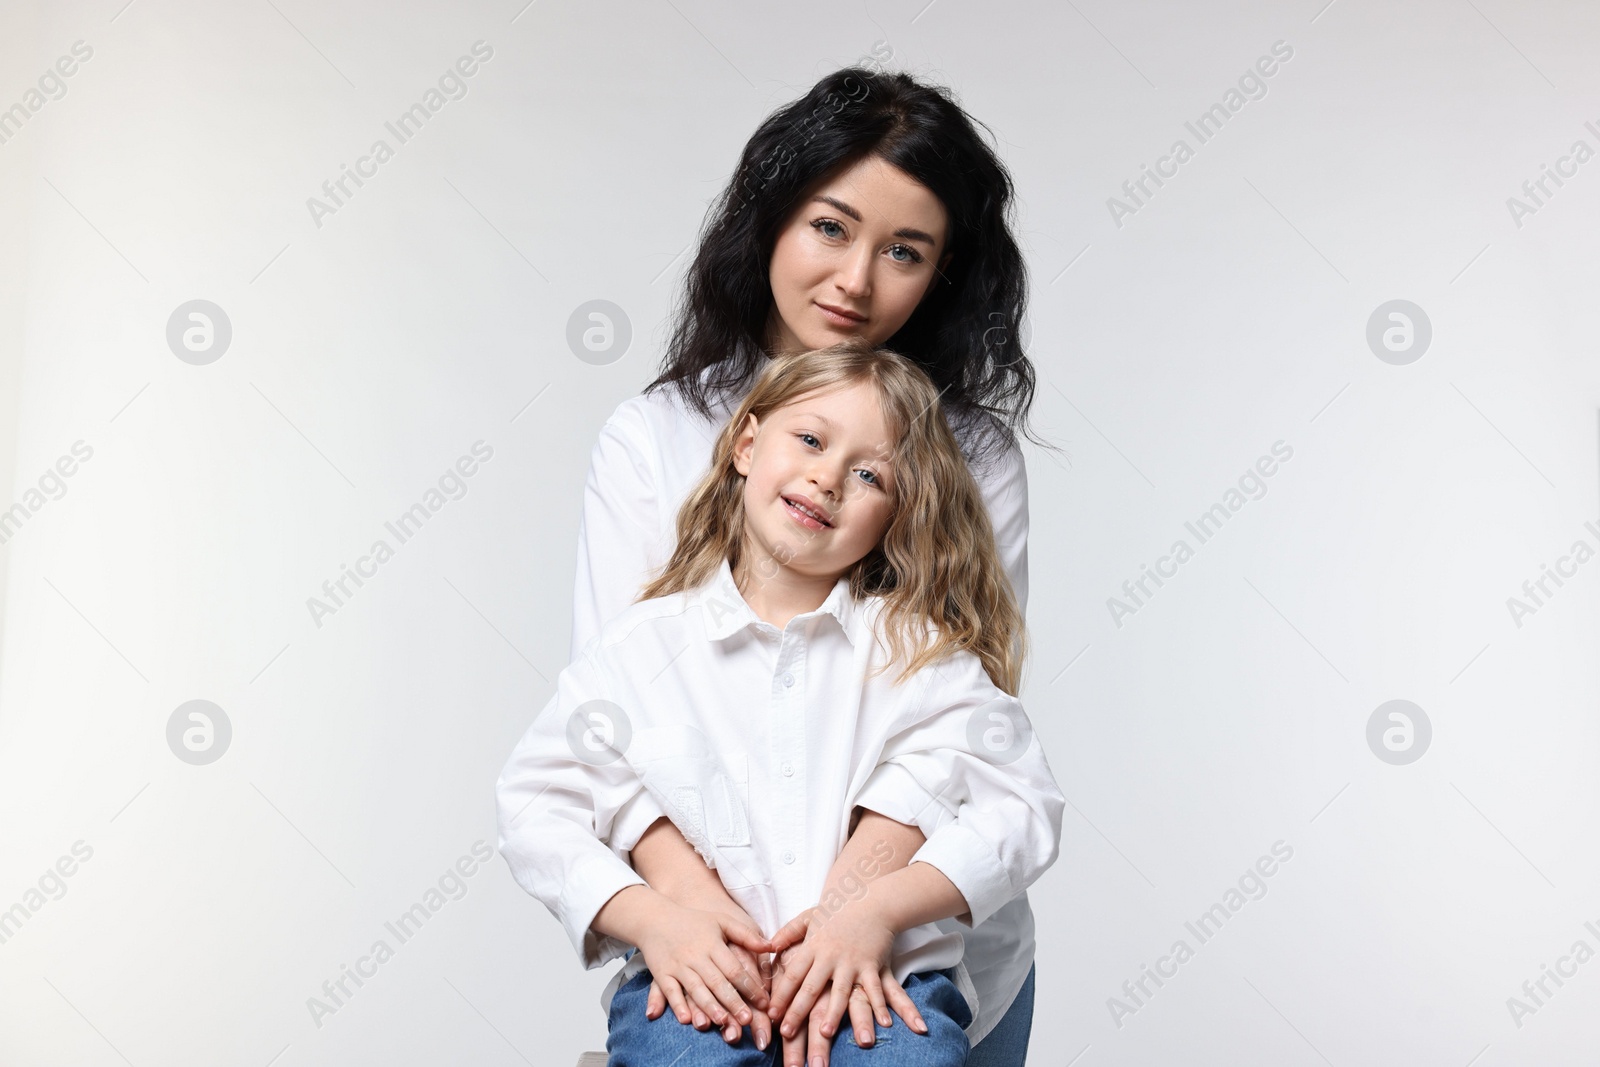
point(841, 317)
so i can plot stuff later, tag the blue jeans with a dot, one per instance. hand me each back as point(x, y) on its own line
point(1007, 1044)
point(636, 1041)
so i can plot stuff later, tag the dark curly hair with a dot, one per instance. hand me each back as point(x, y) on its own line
point(966, 333)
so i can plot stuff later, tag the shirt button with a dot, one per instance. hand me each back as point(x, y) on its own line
point(788, 769)
point(788, 679)
point(788, 857)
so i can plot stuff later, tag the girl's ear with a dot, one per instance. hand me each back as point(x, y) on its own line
point(744, 445)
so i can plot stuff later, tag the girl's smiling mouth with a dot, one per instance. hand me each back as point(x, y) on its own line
point(806, 513)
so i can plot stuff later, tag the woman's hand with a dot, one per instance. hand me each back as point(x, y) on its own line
point(829, 962)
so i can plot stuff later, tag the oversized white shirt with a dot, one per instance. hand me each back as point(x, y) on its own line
point(758, 743)
point(651, 453)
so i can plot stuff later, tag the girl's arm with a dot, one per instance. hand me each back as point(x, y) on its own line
point(556, 811)
point(618, 539)
point(847, 940)
point(674, 869)
point(879, 849)
point(877, 846)
point(970, 774)
point(666, 860)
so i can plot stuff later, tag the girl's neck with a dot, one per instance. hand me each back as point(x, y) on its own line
point(776, 594)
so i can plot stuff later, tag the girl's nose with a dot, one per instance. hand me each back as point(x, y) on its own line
point(827, 480)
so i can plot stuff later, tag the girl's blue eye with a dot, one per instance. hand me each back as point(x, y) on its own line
point(915, 256)
point(829, 228)
point(809, 440)
point(871, 477)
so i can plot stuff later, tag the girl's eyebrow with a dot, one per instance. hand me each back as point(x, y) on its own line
point(906, 232)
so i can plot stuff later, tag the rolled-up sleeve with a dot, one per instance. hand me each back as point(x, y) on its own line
point(969, 772)
point(556, 810)
point(633, 819)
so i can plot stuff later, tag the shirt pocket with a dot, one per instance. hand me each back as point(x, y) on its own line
point(704, 794)
point(734, 830)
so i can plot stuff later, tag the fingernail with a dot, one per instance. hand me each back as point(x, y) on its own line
point(922, 1027)
point(816, 1061)
point(761, 1042)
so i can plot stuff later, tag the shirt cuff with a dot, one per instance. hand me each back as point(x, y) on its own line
point(895, 793)
point(589, 886)
point(972, 865)
point(632, 820)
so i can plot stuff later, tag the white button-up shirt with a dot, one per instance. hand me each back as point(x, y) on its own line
point(758, 743)
point(650, 454)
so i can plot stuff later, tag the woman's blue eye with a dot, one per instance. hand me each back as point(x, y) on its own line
point(915, 256)
point(829, 228)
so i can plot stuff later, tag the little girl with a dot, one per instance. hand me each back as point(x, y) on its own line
point(833, 632)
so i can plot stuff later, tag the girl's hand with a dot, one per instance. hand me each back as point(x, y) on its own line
point(672, 867)
point(760, 1023)
point(690, 954)
point(844, 949)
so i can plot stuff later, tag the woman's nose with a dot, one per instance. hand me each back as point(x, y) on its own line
point(854, 277)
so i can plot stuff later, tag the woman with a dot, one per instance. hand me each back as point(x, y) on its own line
point(869, 208)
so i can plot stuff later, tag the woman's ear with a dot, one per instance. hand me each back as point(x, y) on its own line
point(744, 445)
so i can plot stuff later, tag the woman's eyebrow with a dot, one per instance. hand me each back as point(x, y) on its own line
point(906, 232)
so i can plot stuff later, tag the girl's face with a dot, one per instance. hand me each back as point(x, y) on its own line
point(855, 258)
point(818, 479)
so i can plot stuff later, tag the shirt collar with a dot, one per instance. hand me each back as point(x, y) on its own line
point(726, 612)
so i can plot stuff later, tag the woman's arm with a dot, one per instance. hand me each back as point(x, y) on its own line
point(619, 527)
point(1004, 488)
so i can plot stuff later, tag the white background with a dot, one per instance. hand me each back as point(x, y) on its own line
point(369, 353)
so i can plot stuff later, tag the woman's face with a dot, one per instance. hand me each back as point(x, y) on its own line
point(855, 258)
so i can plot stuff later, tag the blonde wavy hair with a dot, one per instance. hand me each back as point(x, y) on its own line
point(938, 562)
